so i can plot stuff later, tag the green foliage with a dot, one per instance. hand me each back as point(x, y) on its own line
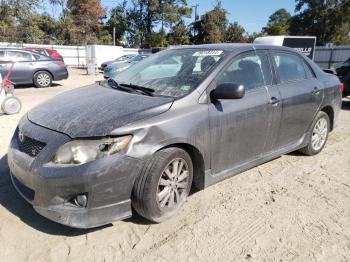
point(253, 36)
point(235, 33)
point(279, 23)
point(157, 39)
point(179, 35)
point(118, 20)
point(157, 23)
point(37, 29)
point(211, 28)
point(145, 15)
point(328, 20)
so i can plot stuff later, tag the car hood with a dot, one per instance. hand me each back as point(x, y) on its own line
point(119, 64)
point(96, 111)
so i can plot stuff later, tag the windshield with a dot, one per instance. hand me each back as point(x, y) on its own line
point(174, 72)
point(124, 57)
point(138, 58)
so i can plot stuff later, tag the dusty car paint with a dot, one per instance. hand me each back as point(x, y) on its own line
point(220, 144)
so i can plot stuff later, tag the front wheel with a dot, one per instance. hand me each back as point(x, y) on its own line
point(42, 79)
point(318, 135)
point(164, 184)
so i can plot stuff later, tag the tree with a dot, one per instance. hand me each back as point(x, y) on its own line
point(211, 27)
point(178, 34)
point(118, 20)
point(234, 33)
point(278, 23)
point(87, 20)
point(21, 9)
point(172, 12)
point(253, 36)
point(37, 29)
point(328, 20)
point(145, 15)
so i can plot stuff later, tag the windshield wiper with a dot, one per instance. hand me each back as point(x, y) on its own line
point(130, 87)
point(144, 90)
point(115, 85)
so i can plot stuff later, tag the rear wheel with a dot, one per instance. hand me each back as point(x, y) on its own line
point(318, 135)
point(164, 184)
point(11, 105)
point(42, 79)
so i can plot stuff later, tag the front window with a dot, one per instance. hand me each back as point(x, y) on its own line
point(251, 70)
point(174, 72)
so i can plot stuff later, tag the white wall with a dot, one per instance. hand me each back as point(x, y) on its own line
point(103, 53)
point(80, 55)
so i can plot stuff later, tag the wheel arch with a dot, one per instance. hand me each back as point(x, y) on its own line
point(330, 112)
point(197, 161)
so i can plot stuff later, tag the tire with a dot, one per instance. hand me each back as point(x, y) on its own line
point(11, 105)
point(154, 191)
point(42, 79)
point(318, 132)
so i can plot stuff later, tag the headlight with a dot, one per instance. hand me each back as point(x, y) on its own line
point(82, 151)
point(121, 69)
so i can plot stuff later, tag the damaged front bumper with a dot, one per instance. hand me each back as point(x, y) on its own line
point(50, 188)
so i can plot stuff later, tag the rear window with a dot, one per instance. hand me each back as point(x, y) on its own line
point(289, 67)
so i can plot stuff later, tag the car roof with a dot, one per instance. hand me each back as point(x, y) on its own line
point(234, 46)
point(39, 48)
point(14, 49)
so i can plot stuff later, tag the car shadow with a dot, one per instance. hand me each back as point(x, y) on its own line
point(33, 86)
point(345, 105)
point(14, 203)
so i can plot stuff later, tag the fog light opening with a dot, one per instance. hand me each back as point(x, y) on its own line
point(80, 200)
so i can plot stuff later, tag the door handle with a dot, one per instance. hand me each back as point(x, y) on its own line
point(274, 101)
point(316, 91)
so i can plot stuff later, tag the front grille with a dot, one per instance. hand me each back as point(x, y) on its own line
point(23, 189)
point(30, 146)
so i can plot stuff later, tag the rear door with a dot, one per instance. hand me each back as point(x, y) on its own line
point(301, 96)
point(22, 72)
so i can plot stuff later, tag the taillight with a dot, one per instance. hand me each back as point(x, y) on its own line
point(341, 87)
point(60, 63)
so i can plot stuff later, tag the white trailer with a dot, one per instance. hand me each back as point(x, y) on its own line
point(304, 44)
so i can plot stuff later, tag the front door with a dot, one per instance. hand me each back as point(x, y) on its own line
point(240, 128)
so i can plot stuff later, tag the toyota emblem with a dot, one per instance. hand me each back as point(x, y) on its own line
point(21, 136)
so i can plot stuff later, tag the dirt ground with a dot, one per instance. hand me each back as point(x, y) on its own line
point(295, 208)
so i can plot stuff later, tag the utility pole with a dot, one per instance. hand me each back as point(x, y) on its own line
point(113, 35)
point(196, 16)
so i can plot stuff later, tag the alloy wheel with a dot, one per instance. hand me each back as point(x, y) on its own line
point(43, 79)
point(173, 184)
point(319, 134)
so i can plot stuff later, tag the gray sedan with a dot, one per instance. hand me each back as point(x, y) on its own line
point(31, 67)
point(115, 68)
point(143, 140)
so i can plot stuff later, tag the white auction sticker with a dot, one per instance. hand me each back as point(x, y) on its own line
point(208, 53)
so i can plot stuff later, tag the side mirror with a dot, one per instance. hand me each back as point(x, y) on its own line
point(228, 91)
